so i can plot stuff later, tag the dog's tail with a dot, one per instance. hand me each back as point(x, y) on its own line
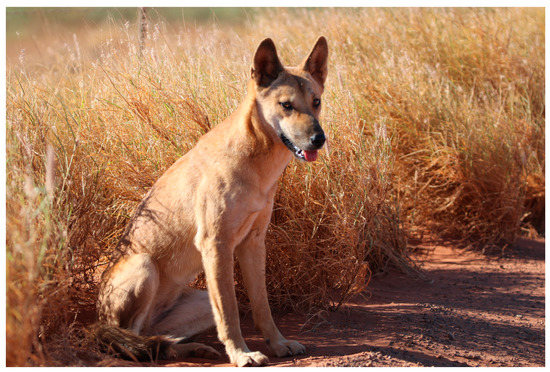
point(128, 345)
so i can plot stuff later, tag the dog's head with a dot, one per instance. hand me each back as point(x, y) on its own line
point(290, 98)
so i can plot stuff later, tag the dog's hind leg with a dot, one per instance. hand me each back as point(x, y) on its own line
point(127, 297)
point(190, 315)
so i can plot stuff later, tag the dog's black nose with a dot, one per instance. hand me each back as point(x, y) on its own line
point(318, 139)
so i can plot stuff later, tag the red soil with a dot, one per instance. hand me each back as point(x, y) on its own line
point(469, 310)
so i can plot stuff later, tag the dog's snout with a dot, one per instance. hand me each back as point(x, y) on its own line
point(318, 139)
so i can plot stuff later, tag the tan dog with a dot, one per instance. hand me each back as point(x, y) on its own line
point(213, 203)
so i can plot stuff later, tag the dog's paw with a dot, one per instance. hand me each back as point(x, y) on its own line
point(285, 347)
point(192, 349)
point(204, 351)
point(248, 359)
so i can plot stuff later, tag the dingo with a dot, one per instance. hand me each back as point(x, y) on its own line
point(212, 203)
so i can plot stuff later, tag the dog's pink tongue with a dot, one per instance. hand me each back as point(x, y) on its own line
point(310, 155)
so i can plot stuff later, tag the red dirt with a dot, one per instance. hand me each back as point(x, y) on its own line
point(470, 310)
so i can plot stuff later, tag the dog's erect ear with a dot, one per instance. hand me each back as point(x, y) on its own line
point(266, 64)
point(316, 63)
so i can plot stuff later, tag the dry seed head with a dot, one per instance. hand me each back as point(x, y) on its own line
point(50, 171)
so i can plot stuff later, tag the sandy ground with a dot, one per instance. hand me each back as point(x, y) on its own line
point(470, 310)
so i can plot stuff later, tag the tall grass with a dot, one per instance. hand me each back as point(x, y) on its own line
point(435, 120)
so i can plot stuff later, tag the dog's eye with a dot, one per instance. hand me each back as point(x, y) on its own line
point(286, 105)
point(316, 102)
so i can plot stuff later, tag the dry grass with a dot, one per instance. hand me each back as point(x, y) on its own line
point(435, 121)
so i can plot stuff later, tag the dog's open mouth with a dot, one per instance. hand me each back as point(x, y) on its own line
point(307, 155)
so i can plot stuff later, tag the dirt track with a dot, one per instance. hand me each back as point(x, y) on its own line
point(472, 310)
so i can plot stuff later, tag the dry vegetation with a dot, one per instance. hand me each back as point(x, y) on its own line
point(435, 121)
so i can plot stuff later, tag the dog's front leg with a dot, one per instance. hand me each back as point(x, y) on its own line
point(218, 267)
point(251, 253)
